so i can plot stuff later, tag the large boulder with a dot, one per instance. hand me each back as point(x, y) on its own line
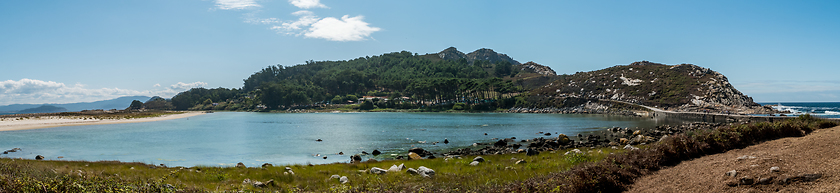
point(395, 168)
point(426, 172)
point(344, 179)
point(532, 152)
point(563, 139)
point(420, 151)
point(500, 143)
point(356, 158)
point(478, 159)
point(412, 155)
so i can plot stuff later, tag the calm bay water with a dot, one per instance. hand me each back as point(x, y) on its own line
point(226, 138)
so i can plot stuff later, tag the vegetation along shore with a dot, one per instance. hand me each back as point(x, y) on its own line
point(588, 169)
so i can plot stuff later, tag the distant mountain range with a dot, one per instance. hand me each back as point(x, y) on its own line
point(117, 103)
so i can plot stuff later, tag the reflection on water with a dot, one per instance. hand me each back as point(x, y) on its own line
point(226, 138)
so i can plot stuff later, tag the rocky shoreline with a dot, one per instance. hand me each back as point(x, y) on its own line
point(616, 138)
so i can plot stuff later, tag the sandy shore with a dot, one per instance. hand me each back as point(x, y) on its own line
point(11, 124)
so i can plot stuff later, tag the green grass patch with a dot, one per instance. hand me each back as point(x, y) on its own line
point(451, 175)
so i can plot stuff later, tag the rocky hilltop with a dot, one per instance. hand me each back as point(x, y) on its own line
point(485, 54)
point(683, 87)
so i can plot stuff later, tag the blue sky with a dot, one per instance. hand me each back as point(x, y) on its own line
point(79, 51)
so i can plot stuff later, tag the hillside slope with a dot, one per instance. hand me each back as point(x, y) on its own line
point(684, 87)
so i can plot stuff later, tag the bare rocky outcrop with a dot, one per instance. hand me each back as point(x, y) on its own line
point(537, 68)
point(682, 88)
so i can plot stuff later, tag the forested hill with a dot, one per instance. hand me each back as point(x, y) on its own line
point(420, 80)
point(480, 80)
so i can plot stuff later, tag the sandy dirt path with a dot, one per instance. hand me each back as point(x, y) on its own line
point(10, 124)
point(806, 164)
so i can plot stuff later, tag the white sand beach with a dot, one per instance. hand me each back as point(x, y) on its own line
point(11, 124)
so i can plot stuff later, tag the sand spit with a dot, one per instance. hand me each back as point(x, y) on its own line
point(11, 124)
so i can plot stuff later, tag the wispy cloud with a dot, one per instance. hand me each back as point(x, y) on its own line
point(307, 4)
point(236, 4)
point(306, 19)
point(30, 91)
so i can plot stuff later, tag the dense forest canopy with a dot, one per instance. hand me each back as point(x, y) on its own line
point(400, 75)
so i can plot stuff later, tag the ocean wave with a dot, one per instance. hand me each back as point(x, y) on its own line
point(832, 113)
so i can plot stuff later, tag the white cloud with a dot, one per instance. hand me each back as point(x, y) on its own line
point(346, 29)
point(306, 4)
point(30, 91)
point(236, 4)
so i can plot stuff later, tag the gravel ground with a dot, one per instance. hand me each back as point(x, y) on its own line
point(805, 164)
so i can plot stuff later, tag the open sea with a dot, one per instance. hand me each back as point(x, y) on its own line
point(226, 138)
point(820, 109)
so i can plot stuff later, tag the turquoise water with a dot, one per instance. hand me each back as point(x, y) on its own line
point(225, 138)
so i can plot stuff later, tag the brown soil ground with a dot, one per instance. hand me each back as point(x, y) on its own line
point(816, 153)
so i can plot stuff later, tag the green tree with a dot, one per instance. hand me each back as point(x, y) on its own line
point(367, 105)
point(336, 100)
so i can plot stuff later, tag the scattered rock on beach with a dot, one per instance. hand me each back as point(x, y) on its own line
point(265, 165)
point(746, 180)
point(630, 147)
point(411, 171)
point(39, 157)
point(478, 159)
point(240, 165)
point(395, 168)
point(445, 141)
point(376, 170)
point(375, 152)
point(765, 180)
point(732, 173)
point(356, 158)
point(774, 169)
point(531, 152)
